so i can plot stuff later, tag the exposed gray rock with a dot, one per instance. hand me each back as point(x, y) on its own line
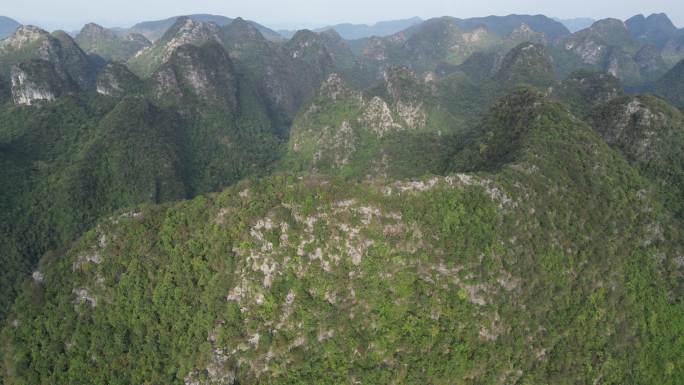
point(35, 81)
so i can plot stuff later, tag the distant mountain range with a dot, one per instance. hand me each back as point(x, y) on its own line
point(576, 24)
point(350, 31)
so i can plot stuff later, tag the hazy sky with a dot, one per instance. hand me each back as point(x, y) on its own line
point(72, 14)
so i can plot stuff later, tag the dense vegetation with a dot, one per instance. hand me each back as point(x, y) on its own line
point(467, 201)
point(287, 280)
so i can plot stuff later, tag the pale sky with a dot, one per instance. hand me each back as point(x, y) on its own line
point(72, 14)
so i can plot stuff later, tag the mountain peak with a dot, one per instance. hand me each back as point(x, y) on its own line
point(608, 24)
point(241, 29)
point(24, 35)
point(186, 30)
point(655, 29)
point(95, 30)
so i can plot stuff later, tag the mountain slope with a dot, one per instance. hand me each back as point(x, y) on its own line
point(671, 85)
point(58, 49)
point(650, 133)
point(286, 279)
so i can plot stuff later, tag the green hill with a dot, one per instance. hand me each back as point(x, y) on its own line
point(482, 276)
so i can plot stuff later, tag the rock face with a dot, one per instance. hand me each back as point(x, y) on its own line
point(36, 81)
point(105, 43)
point(117, 80)
point(69, 62)
point(592, 44)
point(22, 37)
point(205, 73)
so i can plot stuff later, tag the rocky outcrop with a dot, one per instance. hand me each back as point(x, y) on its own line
point(592, 44)
point(205, 73)
point(407, 93)
point(36, 81)
point(22, 38)
point(116, 80)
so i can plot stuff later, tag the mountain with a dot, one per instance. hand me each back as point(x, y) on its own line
point(154, 30)
point(504, 25)
point(527, 63)
point(359, 31)
point(584, 90)
point(493, 273)
point(7, 26)
point(74, 156)
point(424, 47)
point(486, 201)
point(650, 133)
point(656, 29)
point(442, 44)
point(392, 130)
point(109, 45)
point(287, 74)
point(608, 46)
point(576, 24)
point(407, 125)
point(184, 31)
point(58, 50)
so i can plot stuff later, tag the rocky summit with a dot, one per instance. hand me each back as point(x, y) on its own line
point(201, 200)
